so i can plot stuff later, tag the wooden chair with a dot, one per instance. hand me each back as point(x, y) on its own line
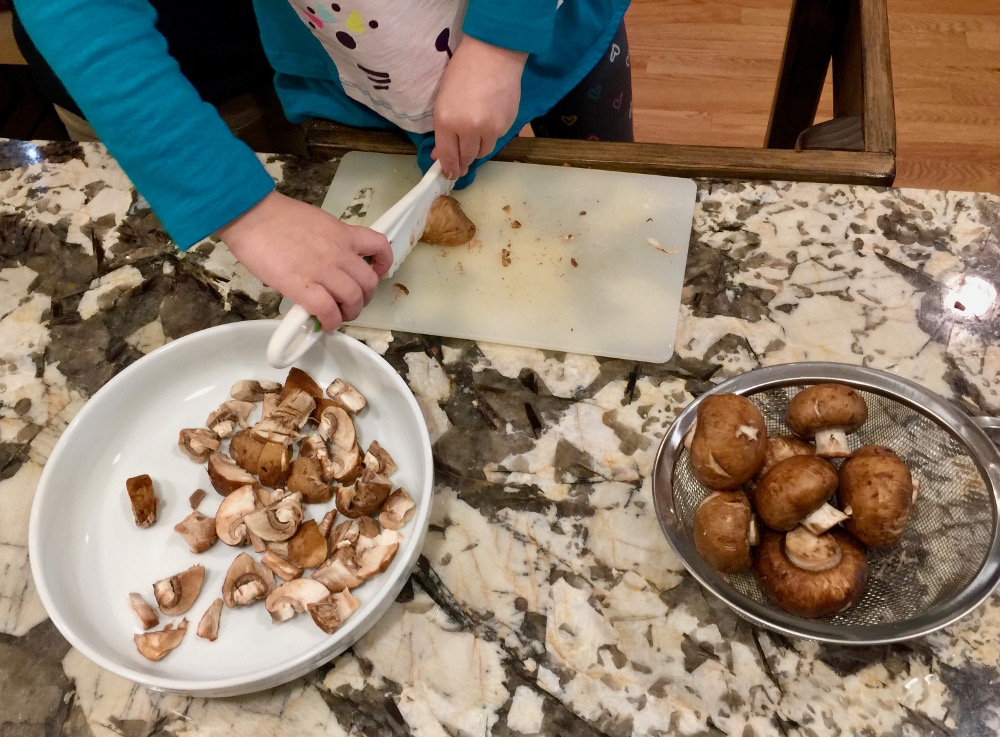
point(857, 146)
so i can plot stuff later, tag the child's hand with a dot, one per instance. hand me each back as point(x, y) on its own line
point(309, 256)
point(476, 104)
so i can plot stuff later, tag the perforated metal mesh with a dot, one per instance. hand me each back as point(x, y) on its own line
point(950, 530)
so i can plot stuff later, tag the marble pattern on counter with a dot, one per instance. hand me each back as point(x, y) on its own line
point(547, 600)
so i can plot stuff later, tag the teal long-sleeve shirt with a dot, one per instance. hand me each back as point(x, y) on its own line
point(179, 153)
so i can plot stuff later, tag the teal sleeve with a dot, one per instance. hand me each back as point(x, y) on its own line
point(195, 174)
point(521, 25)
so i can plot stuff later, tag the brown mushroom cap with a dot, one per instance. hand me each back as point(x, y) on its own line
point(809, 593)
point(792, 490)
point(827, 412)
point(722, 531)
point(298, 379)
point(728, 443)
point(274, 464)
point(877, 487)
point(143, 499)
point(307, 548)
point(246, 449)
point(365, 496)
point(176, 594)
point(331, 612)
point(779, 448)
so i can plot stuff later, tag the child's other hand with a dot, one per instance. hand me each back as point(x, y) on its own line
point(309, 256)
point(476, 104)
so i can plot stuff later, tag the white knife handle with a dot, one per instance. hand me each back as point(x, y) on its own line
point(295, 335)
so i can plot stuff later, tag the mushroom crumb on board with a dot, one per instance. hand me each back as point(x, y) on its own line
point(304, 450)
point(816, 522)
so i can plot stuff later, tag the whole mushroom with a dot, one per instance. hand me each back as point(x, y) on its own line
point(877, 488)
point(725, 530)
point(837, 580)
point(794, 489)
point(828, 413)
point(728, 443)
point(779, 448)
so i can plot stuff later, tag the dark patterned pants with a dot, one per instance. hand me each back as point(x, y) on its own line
point(600, 107)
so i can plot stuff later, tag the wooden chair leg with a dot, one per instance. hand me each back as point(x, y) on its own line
point(815, 27)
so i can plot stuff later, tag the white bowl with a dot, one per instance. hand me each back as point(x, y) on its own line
point(87, 554)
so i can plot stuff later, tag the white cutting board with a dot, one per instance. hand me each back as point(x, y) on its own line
point(596, 265)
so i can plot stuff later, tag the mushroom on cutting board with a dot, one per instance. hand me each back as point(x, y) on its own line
point(877, 488)
point(795, 489)
point(727, 446)
point(828, 413)
point(447, 224)
point(724, 531)
point(832, 587)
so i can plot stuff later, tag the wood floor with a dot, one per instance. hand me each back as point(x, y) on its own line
point(703, 72)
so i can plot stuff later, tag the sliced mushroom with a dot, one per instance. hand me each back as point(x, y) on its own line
point(339, 571)
point(326, 524)
point(878, 488)
point(322, 404)
point(728, 443)
point(146, 614)
point(293, 597)
point(223, 421)
point(810, 593)
point(314, 447)
point(268, 405)
point(365, 496)
point(252, 390)
point(299, 380)
point(230, 523)
point(367, 527)
point(722, 531)
point(347, 464)
point(274, 464)
point(246, 450)
point(143, 499)
point(198, 531)
point(397, 510)
point(377, 557)
point(246, 582)
point(793, 489)
point(307, 478)
point(333, 611)
point(225, 475)
point(379, 456)
point(208, 627)
point(283, 569)
point(447, 224)
point(197, 443)
point(828, 413)
point(307, 548)
point(345, 534)
point(277, 521)
point(155, 645)
point(337, 427)
point(176, 594)
point(196, 498)
point(350, 398)
point(282, 425)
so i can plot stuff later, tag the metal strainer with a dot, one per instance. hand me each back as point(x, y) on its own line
point(948, 561)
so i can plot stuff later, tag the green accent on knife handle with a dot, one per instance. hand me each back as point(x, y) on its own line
point(316, 326)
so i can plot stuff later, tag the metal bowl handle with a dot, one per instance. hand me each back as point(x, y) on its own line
point(987, 423)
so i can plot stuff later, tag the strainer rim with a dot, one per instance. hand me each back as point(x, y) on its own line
point(961, 426)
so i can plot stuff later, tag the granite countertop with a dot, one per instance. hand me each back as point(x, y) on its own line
point(547, 599)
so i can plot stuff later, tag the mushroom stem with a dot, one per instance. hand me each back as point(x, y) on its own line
point(753, 534)
point(823, 519)
point(812, 552)
point(831, 442)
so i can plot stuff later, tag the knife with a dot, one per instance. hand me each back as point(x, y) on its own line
point(402, 224)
